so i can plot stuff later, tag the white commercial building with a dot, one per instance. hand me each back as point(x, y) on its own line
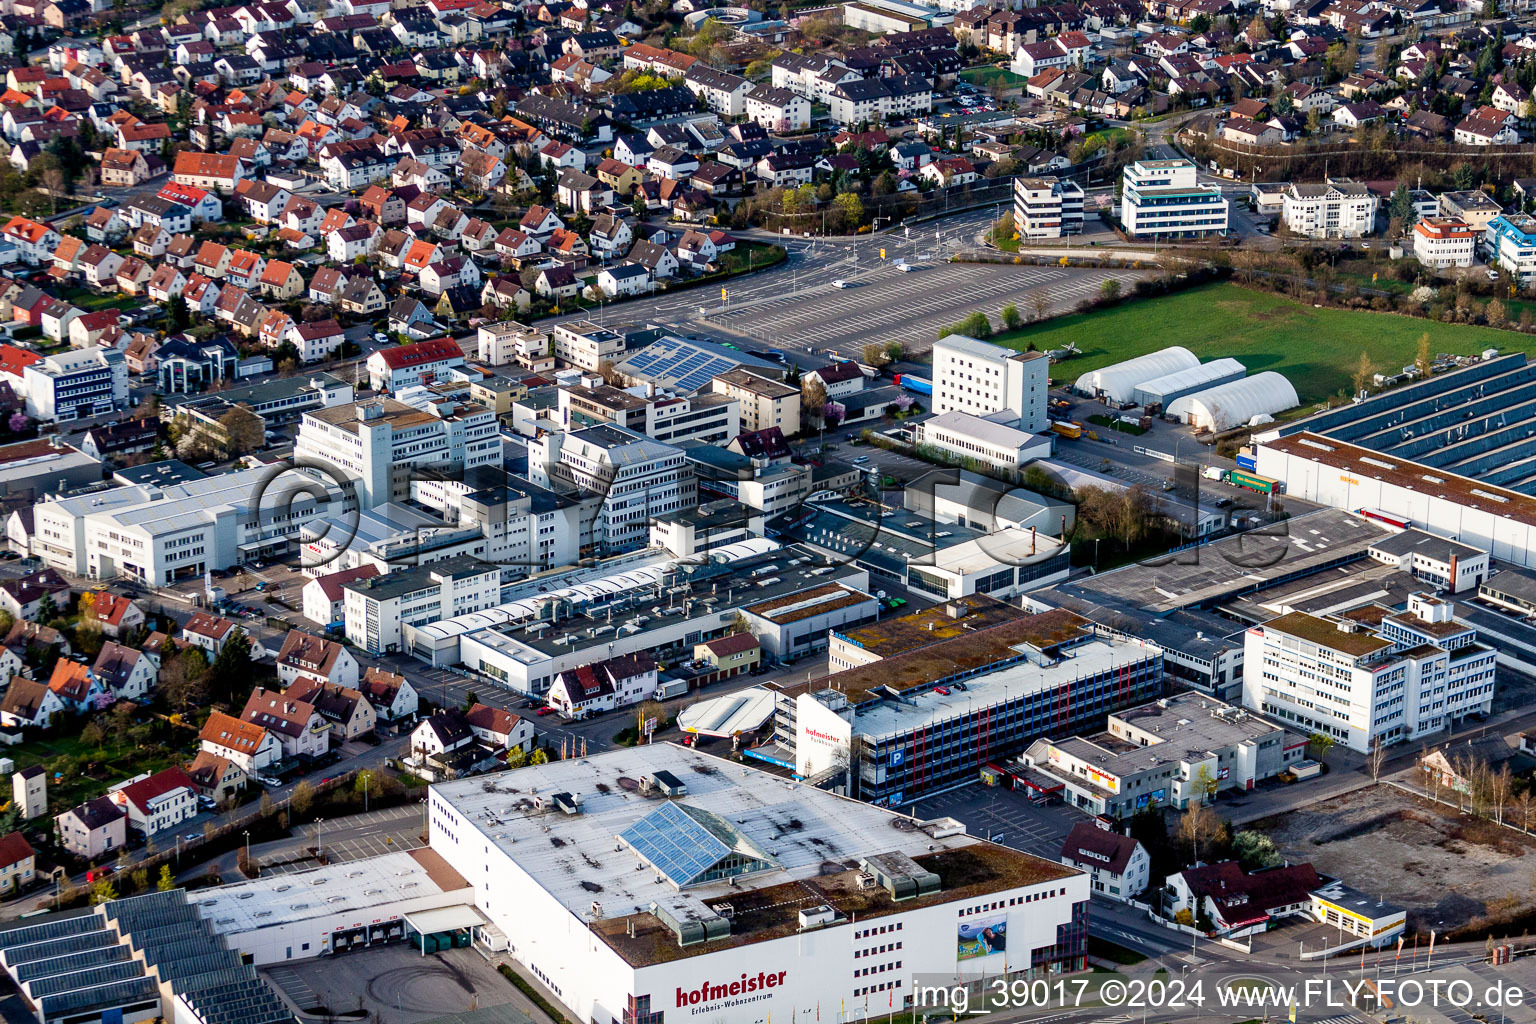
point(965, 436)
point(1169, 387)
point(980, 378)
point(1415, 674)
point(1165, 199)
point(1319, 469)
point(1047, 207)
point(674, 890)
point(160, 534)
point(377, 607)
point(1118, 382)
point(637, 477)
point(71, 385)
point(584, 344)
point(1168, 753)
point(1252, 400)
point(1338, 208)
point(1442, 242)
point(379, 444)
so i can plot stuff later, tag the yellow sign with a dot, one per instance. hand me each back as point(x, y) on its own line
point(722, 294)
point(882, 254)
point(1344, 478)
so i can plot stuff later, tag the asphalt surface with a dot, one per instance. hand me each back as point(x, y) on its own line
point(796, 305)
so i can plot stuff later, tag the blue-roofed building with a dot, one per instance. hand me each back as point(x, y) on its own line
point(688, 365)
point(1511, 242)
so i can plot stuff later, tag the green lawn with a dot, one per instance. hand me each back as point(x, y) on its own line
point(983, 77)
point(1317, 349)
point(116, 761)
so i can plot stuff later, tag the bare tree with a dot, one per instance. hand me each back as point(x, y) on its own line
point(1040, 303)
point(1199, 825)
point(1376, 758)
point(1526, 805)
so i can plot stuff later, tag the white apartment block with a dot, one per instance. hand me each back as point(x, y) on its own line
point(1165, 199)
point(982, 379)
point(501, 344)
point(1338, 208)
point(1414, 675)
point(378, 444)
point(584, 344)
point(524, 529)
point(635, 476)
point(1047, 207)
point(375, 609)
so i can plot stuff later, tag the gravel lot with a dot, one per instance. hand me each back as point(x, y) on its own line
point(1445, 867)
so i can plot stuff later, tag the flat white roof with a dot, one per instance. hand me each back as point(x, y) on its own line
point(578, 859)
point(325, 891)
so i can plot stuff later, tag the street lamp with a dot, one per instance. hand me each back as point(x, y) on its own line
point(247, 847)
point(366, 777)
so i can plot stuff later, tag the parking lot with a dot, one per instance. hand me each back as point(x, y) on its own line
point(1005, 817)
point(354, 838)
point(395, 984)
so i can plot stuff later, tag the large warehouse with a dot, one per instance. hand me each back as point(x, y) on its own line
point(1453, 454)
point(659, 884)
point(1236, 403)
point(1117, 382)
point(1171, 386)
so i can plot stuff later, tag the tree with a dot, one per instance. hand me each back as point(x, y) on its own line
point(54, 181)
point(103, 891)
point(1206, 783)
point(167, 880)
point(813, 400)
point(874, 354)
point(93, 735)
point(1012, 320)
point(516, 757)
point(1495, 314)
point(539, 757)
point(1319, 743)
point(233, 673)
point(1376, 758)
point(471, 699)
point(46, 609)
point(302, 798)
point(1400, 206)
point(244, 429)
point(1199, 826)
point(1110, 289)
point(1364, 375)
point(885, 184)
point(1255, 850)
point(183, 676)
point(1040, 303)
point(1421, 360)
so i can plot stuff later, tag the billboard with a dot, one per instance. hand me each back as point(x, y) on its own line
point(982, 936)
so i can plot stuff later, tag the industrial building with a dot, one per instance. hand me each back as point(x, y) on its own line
point(1247, 402)
point(1117, 382)
point(1165, 754)
point(158, 955)
point(1371, 674)
point(943, 560)
point(931, 717)
point(1161, 391)
point(962, 435)
point(970, 499)
point(660, 881)
point(1195, 605)
point(1453, 454)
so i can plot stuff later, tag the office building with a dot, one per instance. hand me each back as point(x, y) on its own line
point(1173, 752)
point(1441, 242)
point(380, 444)
point(1338, 208)
point(764, 401)
point(1510, 239)
point(701, 905)
point(982, 379)
point(1371, 675)
point(1047, 207)
point(377, 607)
point(711, 418)
point(71, 385)
point(1165, 199)
point(962, 435)
point(635, 477)
point(583, 344)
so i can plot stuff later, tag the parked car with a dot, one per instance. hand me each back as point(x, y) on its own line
point(545, 710)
